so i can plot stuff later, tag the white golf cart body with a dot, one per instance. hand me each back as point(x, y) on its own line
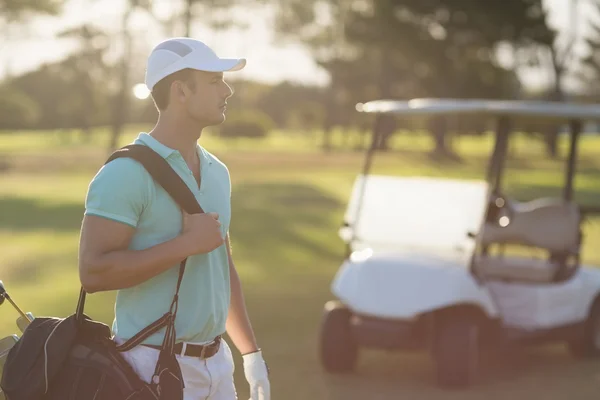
point(419, 272)
point(411, 253)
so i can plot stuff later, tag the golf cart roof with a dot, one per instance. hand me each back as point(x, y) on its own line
point(512, 108)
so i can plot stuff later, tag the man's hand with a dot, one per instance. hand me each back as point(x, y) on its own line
point(257, 375)
point(107, 263)
point(201, 232)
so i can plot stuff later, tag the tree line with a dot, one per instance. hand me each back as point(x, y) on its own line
point(369, 48)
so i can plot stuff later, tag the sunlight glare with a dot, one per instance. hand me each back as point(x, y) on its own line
point(140, 91)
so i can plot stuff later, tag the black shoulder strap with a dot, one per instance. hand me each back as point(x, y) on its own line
point(164, 175)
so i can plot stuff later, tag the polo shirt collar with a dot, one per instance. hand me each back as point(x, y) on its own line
point(165, 151)
point(204, 156)
point(155, 145)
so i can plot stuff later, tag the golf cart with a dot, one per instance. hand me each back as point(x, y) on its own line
point(7, 343)
point(426, 267)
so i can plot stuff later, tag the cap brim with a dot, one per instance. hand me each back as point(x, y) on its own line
point(217, 65)
point(222, 65)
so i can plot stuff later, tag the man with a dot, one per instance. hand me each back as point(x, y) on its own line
point(134, 235)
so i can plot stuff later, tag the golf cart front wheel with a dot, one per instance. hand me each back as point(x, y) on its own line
point(457, 351)
point(338, 349)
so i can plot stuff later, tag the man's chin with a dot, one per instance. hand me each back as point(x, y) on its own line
point(220, 119)
point(214, 121)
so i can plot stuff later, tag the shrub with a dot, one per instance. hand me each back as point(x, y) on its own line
point(17, 110)
point(250, 124)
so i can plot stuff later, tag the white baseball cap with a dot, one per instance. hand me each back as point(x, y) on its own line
point(179, 53)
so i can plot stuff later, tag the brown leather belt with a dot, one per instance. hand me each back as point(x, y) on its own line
point(194, 350)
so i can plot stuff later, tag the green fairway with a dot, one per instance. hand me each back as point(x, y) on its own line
point(288, 202)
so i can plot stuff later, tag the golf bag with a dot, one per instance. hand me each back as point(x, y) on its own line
point(76, 358)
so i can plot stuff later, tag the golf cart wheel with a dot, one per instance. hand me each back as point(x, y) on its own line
point(457, 351)
point(338, 349)
point(588, 344)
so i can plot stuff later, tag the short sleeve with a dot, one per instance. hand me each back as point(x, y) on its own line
point(118, 192)
point(228, 175)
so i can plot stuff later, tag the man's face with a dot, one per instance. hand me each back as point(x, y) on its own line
point(206, 103)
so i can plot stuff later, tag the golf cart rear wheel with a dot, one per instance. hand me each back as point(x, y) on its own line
point(588, 344)
point(457, 351)
point(338, 349)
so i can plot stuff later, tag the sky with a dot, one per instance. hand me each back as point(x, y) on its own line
point(268, 60)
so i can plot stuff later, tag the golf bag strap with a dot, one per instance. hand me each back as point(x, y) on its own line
point(162, 173)
point(165, 176)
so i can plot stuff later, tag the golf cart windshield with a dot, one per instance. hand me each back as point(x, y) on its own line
point(396, 213)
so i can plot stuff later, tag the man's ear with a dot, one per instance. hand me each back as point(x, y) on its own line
point(179, 90)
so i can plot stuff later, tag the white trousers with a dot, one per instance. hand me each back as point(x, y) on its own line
point(208, 379)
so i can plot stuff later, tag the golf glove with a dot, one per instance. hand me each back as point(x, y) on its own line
point(257, 375)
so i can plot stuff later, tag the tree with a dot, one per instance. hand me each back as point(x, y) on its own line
point(560, 58)
point(16, 10)
point(88, 70)
point(300, 21)
point(591, 63)
point(216, 14)
point(19, 11)
point(17, 109)
point(406, 48)
point(121, 102)
point(54, 88)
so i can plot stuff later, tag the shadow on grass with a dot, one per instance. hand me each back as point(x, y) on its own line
point(24, 214)
point(288, 326)
point(271, 221)
point(532, 374)
point(271, 224)
point(30, 271)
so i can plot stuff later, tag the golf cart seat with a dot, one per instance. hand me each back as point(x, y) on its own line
point(516, 269)
point(547, 224)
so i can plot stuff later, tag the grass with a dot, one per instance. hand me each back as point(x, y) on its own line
point(288, 201)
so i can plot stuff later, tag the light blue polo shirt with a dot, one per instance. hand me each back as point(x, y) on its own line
point(123, 191)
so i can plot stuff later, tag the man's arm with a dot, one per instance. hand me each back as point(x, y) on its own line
point(238, 323)
point(105, 263)
point(114, 203)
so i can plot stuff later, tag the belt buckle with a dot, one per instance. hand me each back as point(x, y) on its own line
point(207, 347)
